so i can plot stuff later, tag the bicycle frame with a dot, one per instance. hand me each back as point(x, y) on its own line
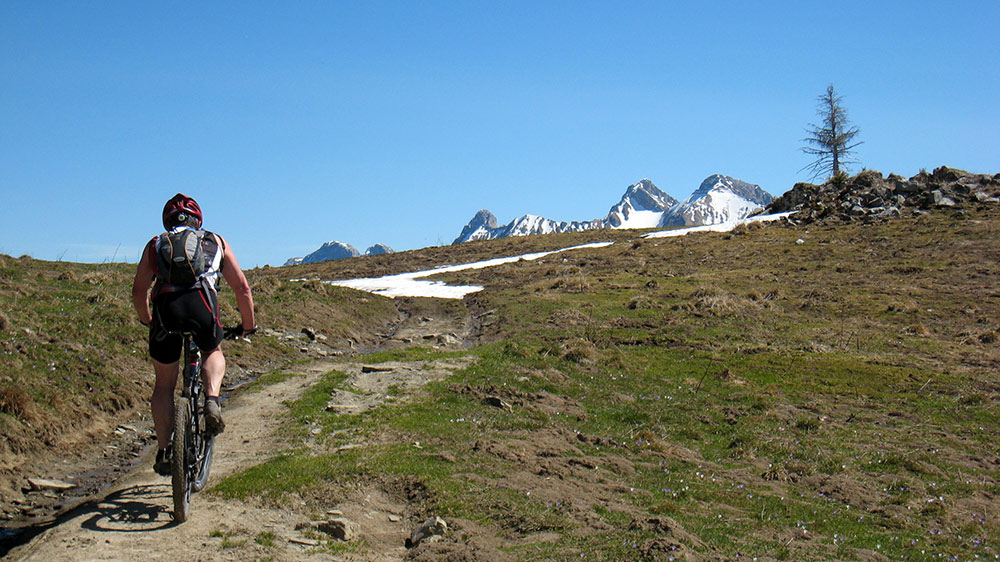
point(202, 460)
point(192, 446)
point(191, 385)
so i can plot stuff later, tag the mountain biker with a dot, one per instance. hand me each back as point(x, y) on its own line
point(194, 309)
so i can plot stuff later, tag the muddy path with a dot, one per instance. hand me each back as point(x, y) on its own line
point(133, 518)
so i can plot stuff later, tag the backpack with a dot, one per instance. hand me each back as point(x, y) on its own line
point(184, 256)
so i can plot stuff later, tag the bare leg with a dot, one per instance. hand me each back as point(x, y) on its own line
point(163, 401)
point(213, 369)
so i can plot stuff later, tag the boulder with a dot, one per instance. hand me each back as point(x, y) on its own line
point(939, 199)
point(433, 527)
point(39, 484)
point(339, 528)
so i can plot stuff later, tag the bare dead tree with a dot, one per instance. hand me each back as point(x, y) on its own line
point(831, 142)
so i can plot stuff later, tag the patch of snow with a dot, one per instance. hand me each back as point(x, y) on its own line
point(413, 284)
point(718, 206)
point(481, 233)
point(405, 285)
point(641, 219)
point(721, 227)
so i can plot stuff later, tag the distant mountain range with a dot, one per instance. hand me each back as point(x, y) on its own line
point(718, 199)
point(337, 251)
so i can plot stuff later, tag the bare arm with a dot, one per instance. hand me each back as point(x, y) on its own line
point(238, 282)
point(140, 288)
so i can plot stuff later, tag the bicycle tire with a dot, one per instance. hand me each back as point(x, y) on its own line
point(179, 461)
point(207, 448)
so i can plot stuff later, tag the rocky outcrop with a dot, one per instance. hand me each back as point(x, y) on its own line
point(869, 196)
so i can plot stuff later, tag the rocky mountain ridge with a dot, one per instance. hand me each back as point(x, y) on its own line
point(335, 250)
point(717, 200)
point(869, 196)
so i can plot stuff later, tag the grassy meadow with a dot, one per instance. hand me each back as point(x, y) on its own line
point(779, 392)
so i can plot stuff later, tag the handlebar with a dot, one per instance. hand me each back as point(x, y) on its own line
point(237, 332)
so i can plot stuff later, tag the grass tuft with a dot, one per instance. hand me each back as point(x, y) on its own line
point(579, 351)
point(15, 402)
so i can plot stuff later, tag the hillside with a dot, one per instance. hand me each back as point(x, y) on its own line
point(75, 371)
point(789, 391)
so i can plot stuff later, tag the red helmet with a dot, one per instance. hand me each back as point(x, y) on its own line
point(178, 204)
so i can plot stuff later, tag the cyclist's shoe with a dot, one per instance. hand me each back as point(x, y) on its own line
point(213, 418)
point(162, 464)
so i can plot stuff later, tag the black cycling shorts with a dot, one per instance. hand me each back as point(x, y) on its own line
point(195, 311)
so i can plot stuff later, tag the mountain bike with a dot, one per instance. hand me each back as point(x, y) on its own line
point(192, 445)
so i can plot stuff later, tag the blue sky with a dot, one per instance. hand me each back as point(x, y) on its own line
point(295, 123)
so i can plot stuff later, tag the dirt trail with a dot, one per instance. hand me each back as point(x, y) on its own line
point(133, 521)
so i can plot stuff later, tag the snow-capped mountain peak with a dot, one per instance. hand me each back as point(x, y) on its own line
point(719, 182)
point(332, 250)
point(721, 199)
point(480, 227)
point(642, 206)
point(378, 250)
point(718, 199)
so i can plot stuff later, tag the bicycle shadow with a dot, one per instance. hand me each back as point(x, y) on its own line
point(138, 509)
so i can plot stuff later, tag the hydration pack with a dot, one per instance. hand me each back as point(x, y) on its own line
point(184, 256)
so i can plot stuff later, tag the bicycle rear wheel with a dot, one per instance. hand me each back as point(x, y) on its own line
point(207, 447)
point(179, 461)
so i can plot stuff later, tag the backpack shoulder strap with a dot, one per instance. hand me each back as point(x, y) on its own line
point(220, 244)
point(218, 239)
point(215, 259)
point(153, 252)
point(149, 252)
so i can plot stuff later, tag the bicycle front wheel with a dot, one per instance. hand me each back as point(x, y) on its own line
point(179, 461)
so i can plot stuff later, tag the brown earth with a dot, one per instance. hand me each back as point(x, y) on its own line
point(132, 518)
point(75, 379)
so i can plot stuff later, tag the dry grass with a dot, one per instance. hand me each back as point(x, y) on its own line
point(743, 229)
point(100, 278)
point(721, 302)
point(15, 402)
point(578, 284)
point(917, 330)
point(569, 317)
point(642, 302)
point(579, 351)
point(819, 391)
